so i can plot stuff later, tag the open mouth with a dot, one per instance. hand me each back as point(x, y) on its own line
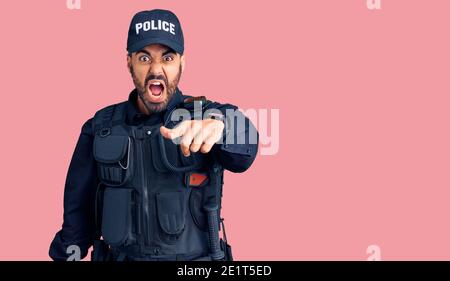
point(156, 90)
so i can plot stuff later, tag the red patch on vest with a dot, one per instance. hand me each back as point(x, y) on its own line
point(196, 179)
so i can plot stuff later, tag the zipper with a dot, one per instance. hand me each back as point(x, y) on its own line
point(145, 200)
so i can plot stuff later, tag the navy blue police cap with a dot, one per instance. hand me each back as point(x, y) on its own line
point(155, 27)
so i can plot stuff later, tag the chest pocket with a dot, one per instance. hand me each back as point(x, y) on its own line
point(114, 157)
point(171, 211)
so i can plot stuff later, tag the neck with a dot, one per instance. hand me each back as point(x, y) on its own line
point(141, 106)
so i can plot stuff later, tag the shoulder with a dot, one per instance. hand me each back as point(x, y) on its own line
point(101, 114)
point(86, 129)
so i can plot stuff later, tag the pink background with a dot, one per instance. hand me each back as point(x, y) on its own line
point(363, 98)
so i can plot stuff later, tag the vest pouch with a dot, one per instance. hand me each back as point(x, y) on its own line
point(117, 216)
point(114, 157)
point(196, 208)
point(171, 209)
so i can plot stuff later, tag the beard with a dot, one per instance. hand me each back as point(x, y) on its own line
point(141, 88)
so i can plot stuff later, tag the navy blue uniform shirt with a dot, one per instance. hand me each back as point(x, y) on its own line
point(81, 182)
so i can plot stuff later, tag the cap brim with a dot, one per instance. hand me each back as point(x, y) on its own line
point(155, 40)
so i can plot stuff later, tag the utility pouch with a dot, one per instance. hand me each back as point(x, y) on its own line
point(171, 209)
point(114, 157)
point(117, 216)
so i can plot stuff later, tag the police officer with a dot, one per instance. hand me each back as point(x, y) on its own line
point(145, 180)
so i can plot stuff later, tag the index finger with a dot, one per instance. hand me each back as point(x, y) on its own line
point(176, 132)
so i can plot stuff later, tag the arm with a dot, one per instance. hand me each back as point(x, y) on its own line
point(79, 200)
point(240, 143)
point(233, 140)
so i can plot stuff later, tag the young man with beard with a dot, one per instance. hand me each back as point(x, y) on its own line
point(144, 184)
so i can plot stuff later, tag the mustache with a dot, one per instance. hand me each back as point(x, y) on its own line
point(156, 77)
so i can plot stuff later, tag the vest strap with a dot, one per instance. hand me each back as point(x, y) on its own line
point(103, 121)
point(108, 117)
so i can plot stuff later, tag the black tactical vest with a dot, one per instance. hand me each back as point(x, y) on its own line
point(153, 203)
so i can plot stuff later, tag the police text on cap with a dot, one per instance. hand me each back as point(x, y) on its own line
point(155, 25)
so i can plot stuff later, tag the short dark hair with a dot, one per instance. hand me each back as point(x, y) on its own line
point(168, 48)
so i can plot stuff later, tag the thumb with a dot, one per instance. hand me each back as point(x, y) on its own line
point(166, 132)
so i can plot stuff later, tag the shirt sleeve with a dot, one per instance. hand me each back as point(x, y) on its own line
point(239, 146)
point(81, 183)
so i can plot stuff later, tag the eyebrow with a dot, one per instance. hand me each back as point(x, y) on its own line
point(168, 51)
point(143, 51)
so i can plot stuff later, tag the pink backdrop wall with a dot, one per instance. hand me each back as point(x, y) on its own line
point(363, 98)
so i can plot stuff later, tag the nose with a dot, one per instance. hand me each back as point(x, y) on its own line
point(155, 69)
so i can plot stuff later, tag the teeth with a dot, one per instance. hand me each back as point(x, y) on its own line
point(156, 83)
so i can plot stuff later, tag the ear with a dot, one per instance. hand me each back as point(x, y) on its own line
point(183, 63)
point(129, 62)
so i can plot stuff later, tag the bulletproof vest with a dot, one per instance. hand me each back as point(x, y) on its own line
point(152, 201)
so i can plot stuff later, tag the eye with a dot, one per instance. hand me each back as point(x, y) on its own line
point(144, 58)
point(168, 58)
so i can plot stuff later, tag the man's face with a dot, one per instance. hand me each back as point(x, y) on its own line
point(156, 71)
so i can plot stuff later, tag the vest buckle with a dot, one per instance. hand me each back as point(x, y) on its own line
point(105, 132)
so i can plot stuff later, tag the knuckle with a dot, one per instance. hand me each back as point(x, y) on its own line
point(206, 148)
point(184, 145)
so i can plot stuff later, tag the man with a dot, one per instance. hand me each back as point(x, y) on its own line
point(145, 180)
